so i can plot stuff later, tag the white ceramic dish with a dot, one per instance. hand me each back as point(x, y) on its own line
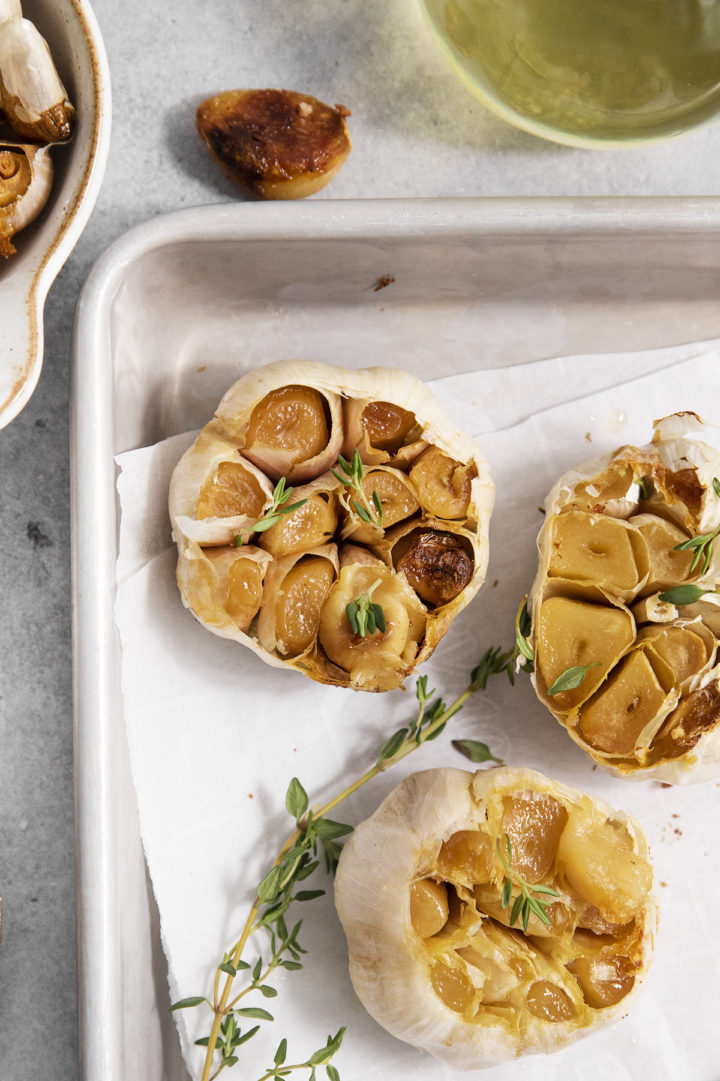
point(69, 26)
point(494, 281)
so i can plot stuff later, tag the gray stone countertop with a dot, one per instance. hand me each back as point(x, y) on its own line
point(417, 131)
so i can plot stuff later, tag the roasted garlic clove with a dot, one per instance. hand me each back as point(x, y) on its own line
point(224, 586)
point(625, 596)
point(389, 498)
point(31, 94)
point(383, 433)
point(381, 659)
point(267, 471)
point(311, 525)
point(296, 589)
point(277, 144)
point(26, 174)
point(441, 950)
point(218, 494)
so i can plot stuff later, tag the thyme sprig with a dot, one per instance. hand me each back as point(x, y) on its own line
point(353, 471)
point(272, 514)
point(702, 545)
point(364, 615)
point(526, 902)
point(277, 893)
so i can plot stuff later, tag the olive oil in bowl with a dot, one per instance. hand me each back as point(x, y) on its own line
point(588, 72)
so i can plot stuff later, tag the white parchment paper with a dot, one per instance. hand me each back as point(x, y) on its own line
point(215, 735)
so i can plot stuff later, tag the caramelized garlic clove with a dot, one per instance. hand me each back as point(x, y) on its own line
point(31, 94)
point(383, 432)
point(26, 175)
point(215, 493)
point(443, 484)
point(294, 432)
point(309, 526)
point(381, 660)
point(277, 144)
point(392, 489)
point(223, 587)
point(296, 588)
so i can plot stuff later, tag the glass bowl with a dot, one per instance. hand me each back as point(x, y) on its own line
point(588, 73)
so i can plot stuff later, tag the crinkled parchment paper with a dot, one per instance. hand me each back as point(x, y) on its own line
point(215, 735)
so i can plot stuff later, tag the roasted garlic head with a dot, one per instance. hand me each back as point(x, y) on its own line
point(445, 950)
point(354, 576)
point(625, 617)
point(277, 144)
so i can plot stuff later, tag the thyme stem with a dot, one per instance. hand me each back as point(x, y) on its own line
point(428, 724)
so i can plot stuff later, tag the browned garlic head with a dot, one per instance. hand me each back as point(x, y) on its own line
point(627, 548)
point(32, 96)
point(411, 536)
point(25, 180)
point(433, 956)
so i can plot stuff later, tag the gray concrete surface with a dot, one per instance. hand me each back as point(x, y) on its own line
point(416, 132)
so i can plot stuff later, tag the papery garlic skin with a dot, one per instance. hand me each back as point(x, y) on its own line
point(287, 420)
point(679, 470)
point(394, 965)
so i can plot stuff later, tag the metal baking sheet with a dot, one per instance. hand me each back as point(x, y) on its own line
point(491, 283)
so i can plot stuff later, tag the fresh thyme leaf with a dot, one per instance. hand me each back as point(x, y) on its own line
point(702, 545)
point(281, 1053)
point(271, 515)
point(527, 902)
point(256, 1012)
point(332, 1073)
point(645, 486)
point(230, 969)
point(308, 895)
point(329, 830)
point(680, 595)
point(716, 486)
point(296, 799)
point(184, 1003)
point(369, 510)
point(378, 507)
point(364, 615)
point(392, 746)
point(571, 678)
point(475, 751)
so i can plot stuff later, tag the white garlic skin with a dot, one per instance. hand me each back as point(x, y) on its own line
point(381, 859)
point(681, 441)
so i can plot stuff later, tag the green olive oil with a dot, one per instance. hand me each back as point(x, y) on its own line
point(605, 70)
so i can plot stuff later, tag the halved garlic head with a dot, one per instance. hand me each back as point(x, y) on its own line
point(25, 180)
point(350, 537)
point(624, 610)
point(441, 953)
point(31, 94)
